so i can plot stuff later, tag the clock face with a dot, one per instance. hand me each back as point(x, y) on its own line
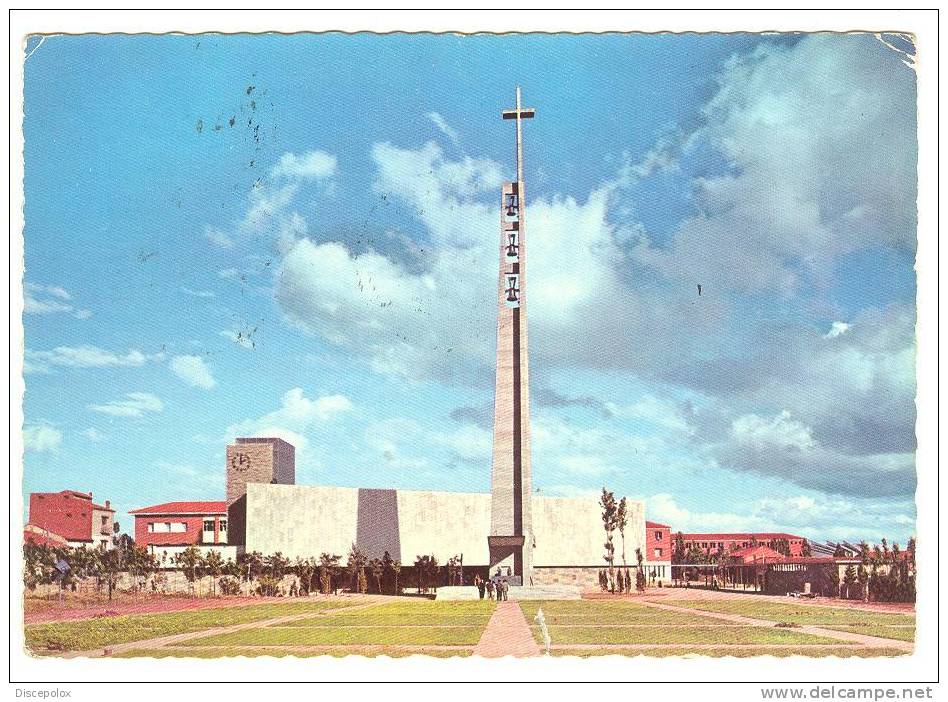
point(240, 461)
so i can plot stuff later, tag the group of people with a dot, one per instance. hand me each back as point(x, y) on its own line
point(493, 586)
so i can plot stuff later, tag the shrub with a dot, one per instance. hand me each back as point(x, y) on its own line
point(229, 586)
point(268, 586)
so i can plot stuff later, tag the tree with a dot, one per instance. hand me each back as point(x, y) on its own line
point(622, 519)
point(849, 581)
point(110, 568)
point(39, 563)
point(781, 546)
point(356, 566)
point(251, 565)
point(214, 566)
point(609, 512)
point(328, 570)
point(834, 579)
point(141, 564)
point(639, 572)
point(806, 551)
point(191, 562)
point(276, 565)
point(305, 569)
point(679, 554)
point(396, 569)
point(377, 570)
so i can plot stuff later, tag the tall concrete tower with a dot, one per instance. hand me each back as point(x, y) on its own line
point(511, 531)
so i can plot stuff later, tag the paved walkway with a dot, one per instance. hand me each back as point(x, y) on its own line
point(507, 634)
point(174, 639)
point(864, 639)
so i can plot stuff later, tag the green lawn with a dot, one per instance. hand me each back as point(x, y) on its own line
point(409, 613)
point(311, 636)
point(679, 635)
point(600, 613)
point(278, 653)
point(90, 634)
point(796, 613)
point(886, 632)
point(743, 652)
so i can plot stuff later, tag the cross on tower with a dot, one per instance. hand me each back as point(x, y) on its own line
point(511, 537)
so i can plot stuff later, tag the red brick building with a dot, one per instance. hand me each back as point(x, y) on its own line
point(712, 543)
point(658, 542)
point(73, 516)
point(169, 528)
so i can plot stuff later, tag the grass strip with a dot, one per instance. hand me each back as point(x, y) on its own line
point(680, 635)
point(302, 636)
point(90, 634)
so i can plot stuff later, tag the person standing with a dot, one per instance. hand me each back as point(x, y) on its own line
point(490, 589)
point(481, 587)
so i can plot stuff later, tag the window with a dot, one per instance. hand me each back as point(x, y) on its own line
point(159, 527)
point(658, 536)
point(222, 526)
point(658, 553)
point(177, 527)
point(208, 525)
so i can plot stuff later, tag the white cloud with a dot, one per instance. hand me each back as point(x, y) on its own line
point(469, 443)
point(815, 517)
point(93, 434)
point(217, 237)
point(309, 165)
point(837, 329)
point(33, 306)
point(444, 127)
point(192, 370)
point(802, 188)
point(135, 404)
point(49, 299)
point(780, 432)
point(657, 411)
point(296, 415)
point(53, 290)
point(41, 438)
point(86, 356)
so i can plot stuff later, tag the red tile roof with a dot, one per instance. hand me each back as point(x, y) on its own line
point(759, 551)
point(740, 536)
point(40, 536)
point(656, 525)
point(206, 507)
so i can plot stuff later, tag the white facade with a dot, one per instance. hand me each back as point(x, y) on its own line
point(305, 521)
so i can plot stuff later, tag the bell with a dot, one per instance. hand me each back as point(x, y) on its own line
point(512, 290)
point(512, 245)
point(511, 205)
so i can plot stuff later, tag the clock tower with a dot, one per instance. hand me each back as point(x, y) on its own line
point(255, 460)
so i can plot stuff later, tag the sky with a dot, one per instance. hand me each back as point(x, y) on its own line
point(296, 236)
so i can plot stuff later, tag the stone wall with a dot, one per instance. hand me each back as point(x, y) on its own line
point(167, 582)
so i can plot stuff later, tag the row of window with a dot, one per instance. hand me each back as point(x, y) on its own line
point(744, 544)
point(182, 527)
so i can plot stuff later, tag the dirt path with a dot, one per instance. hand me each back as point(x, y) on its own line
point(173, 639)
point(863, 639)
point(507, 634)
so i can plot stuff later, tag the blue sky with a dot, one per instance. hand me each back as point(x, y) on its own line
point(230, 235)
